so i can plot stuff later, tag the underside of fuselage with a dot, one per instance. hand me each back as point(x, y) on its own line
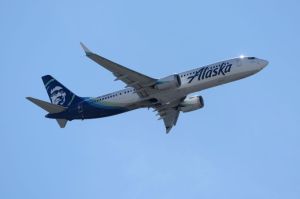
point(88, 111)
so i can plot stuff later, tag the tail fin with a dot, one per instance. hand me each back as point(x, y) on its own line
point(58, 93)
point(51, 108)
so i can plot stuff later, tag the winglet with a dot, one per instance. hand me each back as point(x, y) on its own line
point(86, 50)
point(168, 129)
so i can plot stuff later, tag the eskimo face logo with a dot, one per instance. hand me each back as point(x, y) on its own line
point(58, 95)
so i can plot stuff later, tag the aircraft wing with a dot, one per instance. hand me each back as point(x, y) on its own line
point(170, 117)
point(132, 78)
point(169, 112)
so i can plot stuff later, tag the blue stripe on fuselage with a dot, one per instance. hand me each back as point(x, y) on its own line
point(89, 109)
point(96, 110)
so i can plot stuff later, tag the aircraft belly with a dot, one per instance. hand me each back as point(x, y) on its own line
point(169, 95)
point(97, 109)
point(102, 113)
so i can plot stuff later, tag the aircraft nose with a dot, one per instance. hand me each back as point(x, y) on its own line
point(263, 63)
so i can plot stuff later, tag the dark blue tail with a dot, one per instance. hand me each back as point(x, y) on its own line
point(58, 93)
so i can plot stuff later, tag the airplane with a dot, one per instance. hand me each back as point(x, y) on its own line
point(168, 96)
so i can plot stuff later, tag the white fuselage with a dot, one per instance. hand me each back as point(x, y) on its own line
point(191, 81)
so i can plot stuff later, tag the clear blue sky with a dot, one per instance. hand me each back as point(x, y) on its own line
point(243, 144)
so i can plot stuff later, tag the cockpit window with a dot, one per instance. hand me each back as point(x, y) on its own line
point(251, 57)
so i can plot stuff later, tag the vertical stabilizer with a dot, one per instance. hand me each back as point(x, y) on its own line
point(58, 93)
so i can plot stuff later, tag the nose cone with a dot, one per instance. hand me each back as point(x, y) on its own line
point(263, 63)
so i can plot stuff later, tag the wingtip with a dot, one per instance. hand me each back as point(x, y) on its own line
point(31, 99)
point(168, 129)
point(86, 50)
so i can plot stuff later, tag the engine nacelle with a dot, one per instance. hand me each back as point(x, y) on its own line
point(191, 103)
point(172, 81)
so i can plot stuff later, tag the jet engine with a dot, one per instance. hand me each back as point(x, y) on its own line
point(191, 103)
point(172, 81)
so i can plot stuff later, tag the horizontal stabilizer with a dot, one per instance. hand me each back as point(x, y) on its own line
point(61, 122)
point(51, 108)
